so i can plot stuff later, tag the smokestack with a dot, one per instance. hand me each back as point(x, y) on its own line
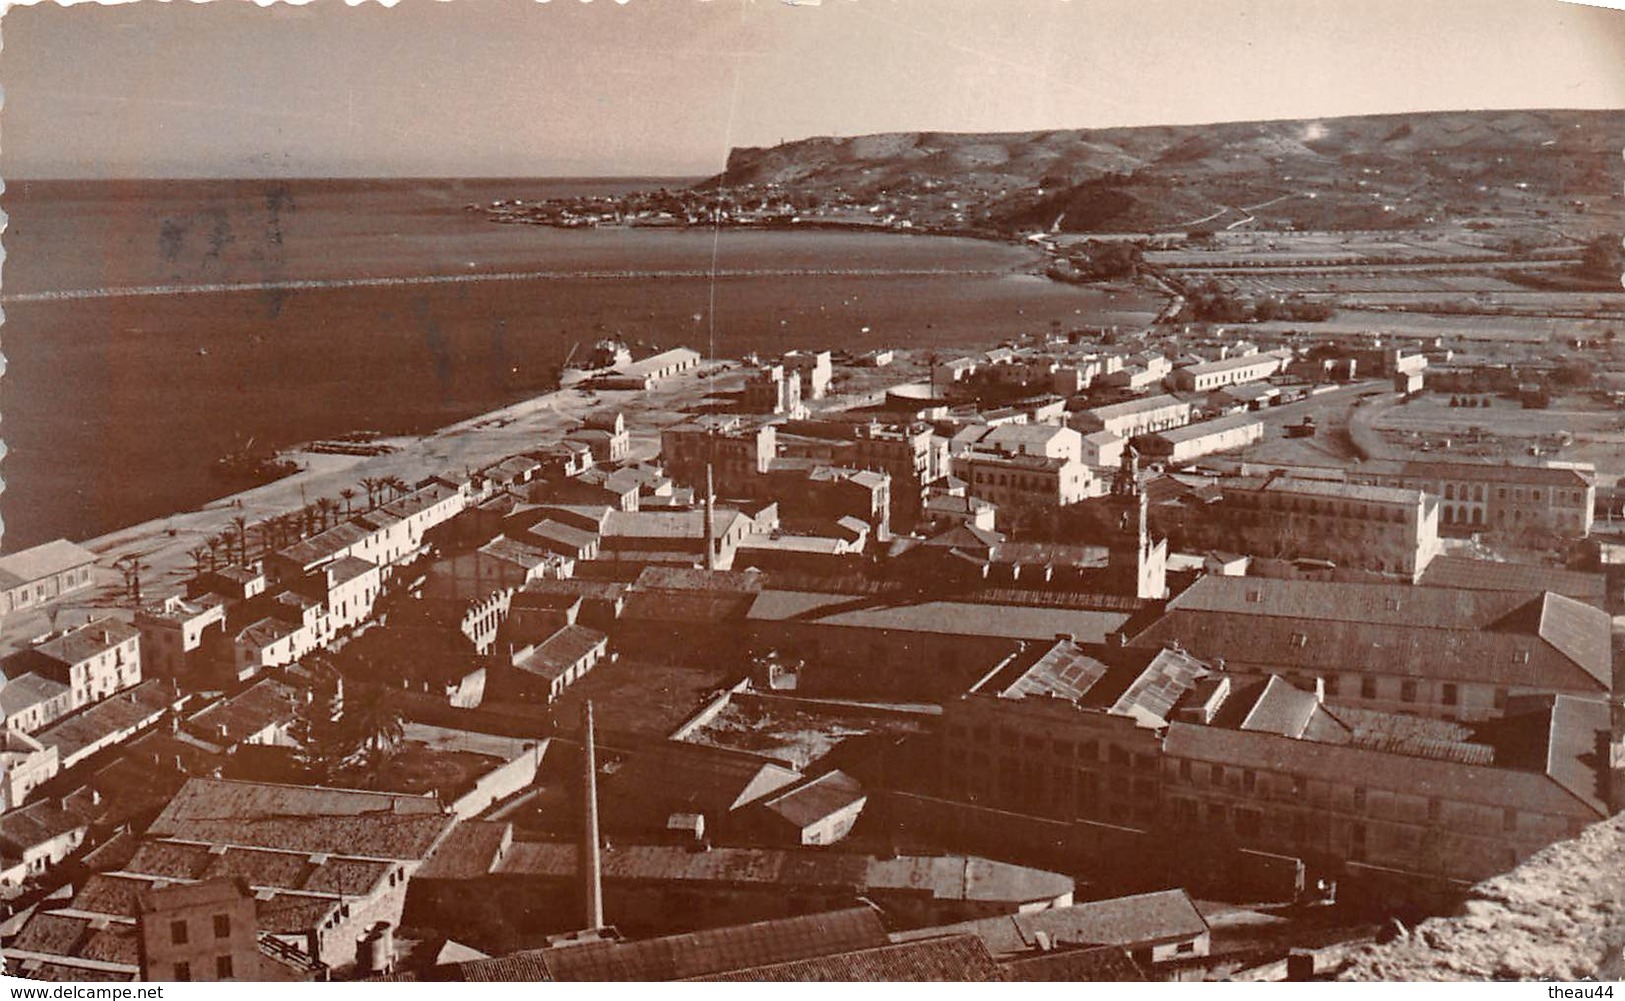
point(710, 519)
point(591, 864)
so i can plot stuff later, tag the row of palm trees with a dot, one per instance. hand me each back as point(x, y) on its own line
point(278, 531)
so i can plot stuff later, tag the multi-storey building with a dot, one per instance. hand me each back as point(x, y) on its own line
point(1387, 529)
point(735, 452)
point(173, 633)
point(1430, 651)
point(815, 369)
point(1024, 481)
point(1048, 441)
point(1191, 753)
point(94, 661)
point(1554, 500)
point(773, 390)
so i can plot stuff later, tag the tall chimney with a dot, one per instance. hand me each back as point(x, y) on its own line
point(710, 519)
point(591, 865)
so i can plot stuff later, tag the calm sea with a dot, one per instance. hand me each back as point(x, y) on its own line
point(395, 306)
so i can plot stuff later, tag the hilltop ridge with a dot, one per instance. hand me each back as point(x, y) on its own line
point(1370, 171)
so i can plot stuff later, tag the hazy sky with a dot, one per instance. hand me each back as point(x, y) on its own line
point(513, 87)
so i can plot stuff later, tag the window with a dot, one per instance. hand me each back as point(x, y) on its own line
point(1449, 695)
point(222, 967)
point(1435, 810)
point(177, 932)
point(1216, 773)
point(222, 926)
point(1368, 687)
point(183, 971)
point(1500, 698)
point(1249, 780)
point(1407, 691)
point(1331, 685)
point(1359, 797)
point(1185, 771)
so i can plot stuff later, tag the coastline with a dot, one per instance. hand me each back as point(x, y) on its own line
point(161, 545)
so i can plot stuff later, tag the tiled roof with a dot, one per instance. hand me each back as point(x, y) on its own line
point(348, 568)
point(1387, 604)
point(1103, 964)
point(469, 851)
point(28, 690)
point(133, 707)
point(266, 703)
point(326, 545)
point(1489, 575)
point(716, 950)
point(1497, 472)
point(688, 579)
point(88, 641)
point(687, 607)
point(561, 651)
point(1341, 491)
point(266, 632)
point(304, 819)
point(1329, 762)
point(955, 959)
point(1315, 646)
point(33, 825)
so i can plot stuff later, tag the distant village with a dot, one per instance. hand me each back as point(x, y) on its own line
point(1016, 667)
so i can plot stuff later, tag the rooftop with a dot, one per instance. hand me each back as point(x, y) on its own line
point(1137, 406)
point(816, 799)
point(951, 617)
point(309, 819)
point(561, 652)
point(1201, 429)
point(42, 561)
point(1132, 922)
point(129, 709)
point(89, 640)
point(957, 959)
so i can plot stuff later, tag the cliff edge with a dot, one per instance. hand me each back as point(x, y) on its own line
point(1559, 916)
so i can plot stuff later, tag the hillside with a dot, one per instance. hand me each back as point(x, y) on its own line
point(1376, 171)
point(1558, 916)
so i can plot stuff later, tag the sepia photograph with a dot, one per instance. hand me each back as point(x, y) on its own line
point(996, 491)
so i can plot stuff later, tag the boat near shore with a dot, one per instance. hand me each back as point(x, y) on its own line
point(606, 356)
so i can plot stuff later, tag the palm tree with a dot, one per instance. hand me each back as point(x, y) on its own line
point(198, 554)
point(372, 721)
point(398, 485)
point(372, 491)
point(329, 509)
point(214, 542)
point(241, 521)
point(228, 538)
point(348, 493)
